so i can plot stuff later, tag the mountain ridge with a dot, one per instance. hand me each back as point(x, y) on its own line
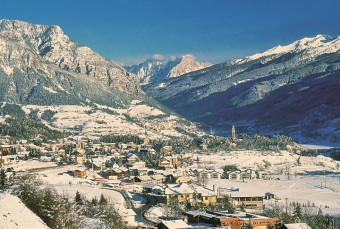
point(26, 47)
point(158, 68)
point(232, 91)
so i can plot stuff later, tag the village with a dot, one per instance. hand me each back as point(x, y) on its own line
point(195, 188)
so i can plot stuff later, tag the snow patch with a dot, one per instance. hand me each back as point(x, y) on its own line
point(61, 88)
point(161, 85)
point(144, 110)
point(135, 102)
point(241, 81)
point(49, 90)
point(8, 70)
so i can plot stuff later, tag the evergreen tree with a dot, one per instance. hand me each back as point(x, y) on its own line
point(226, 204)
point(2, 179)
point(78, 198)
point(94, 201)
point(102, 200)
point(297, 213)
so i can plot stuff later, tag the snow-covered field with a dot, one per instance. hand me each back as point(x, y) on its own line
point(303, 186)
point(102, 120)
point(68, 185)
point(271, 162)
point(30, 164)
point(302, 189)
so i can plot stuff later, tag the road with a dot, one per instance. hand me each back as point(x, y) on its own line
point(151, 201)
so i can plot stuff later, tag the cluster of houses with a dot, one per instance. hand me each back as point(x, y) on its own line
point(230, 220)
point(121, 164)
point(224, 219)
point(247, 174)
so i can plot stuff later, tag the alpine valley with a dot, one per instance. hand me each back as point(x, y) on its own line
point(172, 142)
point(292, 90)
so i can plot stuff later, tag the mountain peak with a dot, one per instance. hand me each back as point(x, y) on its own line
point(186, 64)
point(158, 68)
point(10, 24)
point(188, 56)
point(311, 45)
point(28, 29)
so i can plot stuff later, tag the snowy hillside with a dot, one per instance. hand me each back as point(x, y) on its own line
point(277, 91)
point(14, 214)
point(158, 68)
point(137, 119)
point(312, 46)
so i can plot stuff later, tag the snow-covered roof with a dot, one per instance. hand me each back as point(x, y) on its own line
point(115, 166)
point(138, 163)
point(179, 189)
point(175, 224)
point(149, 185)
point(157, 176)
point(297, 226)
point(144, 178)
point(245, 193)
point(204, 191)
point(133, 157)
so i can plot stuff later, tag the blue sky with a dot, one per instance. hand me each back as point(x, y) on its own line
point(129, 31)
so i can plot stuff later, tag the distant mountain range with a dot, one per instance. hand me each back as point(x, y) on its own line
point(292, 89)
point(158, 68)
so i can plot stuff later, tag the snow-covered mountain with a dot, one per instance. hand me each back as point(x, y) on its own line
point(42, 70)
point(311, 46)
point(158, 68)
point(292, 89)
point(42, 60)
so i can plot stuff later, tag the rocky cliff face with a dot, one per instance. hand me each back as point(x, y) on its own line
point(39, 59)
point(282, 90)
point(158, 68)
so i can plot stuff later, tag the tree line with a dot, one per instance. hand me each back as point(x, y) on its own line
point(28, 129)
